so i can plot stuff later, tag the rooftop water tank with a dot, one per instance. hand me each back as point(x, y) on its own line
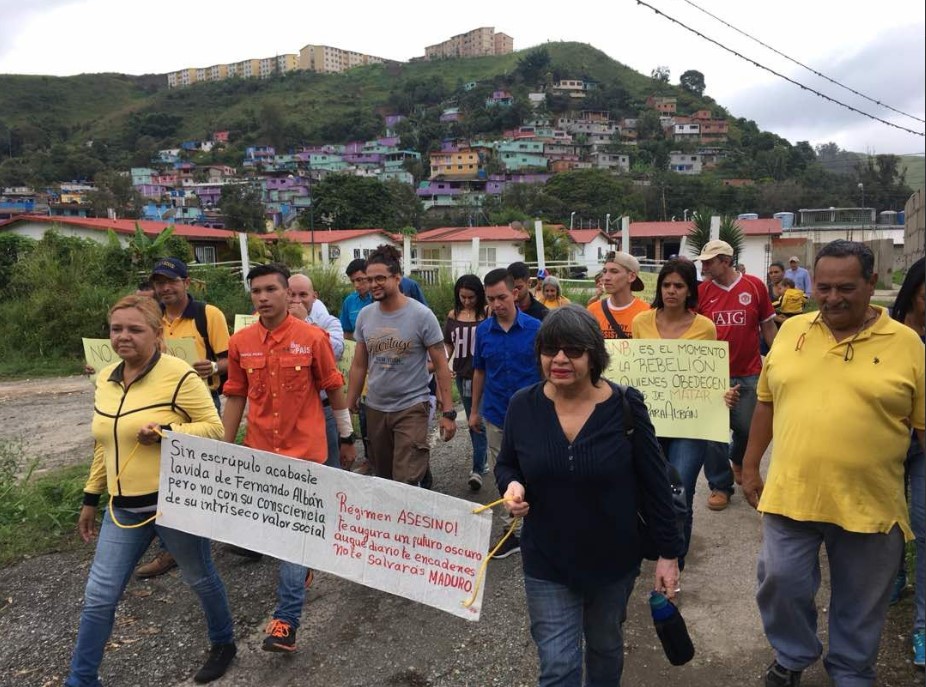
point(786, 219)
point(747, 215)
point(887, 217)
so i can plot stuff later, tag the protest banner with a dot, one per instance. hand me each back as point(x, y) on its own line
point(400, 539)
point(682, 381)
point(347, 358)
point(99, 353)
point(242, 321)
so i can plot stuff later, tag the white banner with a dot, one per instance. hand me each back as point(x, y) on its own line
point(404, 540)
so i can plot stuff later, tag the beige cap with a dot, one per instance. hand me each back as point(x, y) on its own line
point(793, 258)
point(714, 248)
point(629, 263)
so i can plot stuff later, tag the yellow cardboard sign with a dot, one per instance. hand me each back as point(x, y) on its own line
point(99, 353)
point(346, 360)
point(242, 321)
point(682, 381)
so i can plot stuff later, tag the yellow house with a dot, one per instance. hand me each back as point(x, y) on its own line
point(463, 164)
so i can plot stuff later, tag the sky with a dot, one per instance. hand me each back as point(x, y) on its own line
point(877, 49)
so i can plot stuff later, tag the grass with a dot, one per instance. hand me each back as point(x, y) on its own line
point(13, 366)
point(38, 513)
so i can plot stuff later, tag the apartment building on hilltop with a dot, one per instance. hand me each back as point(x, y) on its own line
point(314, 58)
point(476, 43)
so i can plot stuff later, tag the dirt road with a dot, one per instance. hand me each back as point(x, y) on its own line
point(356, 637)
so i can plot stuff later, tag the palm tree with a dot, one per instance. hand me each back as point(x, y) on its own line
point(700, 233)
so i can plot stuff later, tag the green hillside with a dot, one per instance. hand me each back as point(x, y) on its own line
point(914, 167)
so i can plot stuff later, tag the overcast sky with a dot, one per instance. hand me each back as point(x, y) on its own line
point(876, 48)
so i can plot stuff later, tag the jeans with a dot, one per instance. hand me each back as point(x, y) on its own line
point(331, 434)
point(290, 593)
point(560, 618)
point(117, 553)
point(916, 470)
point(364, 432)
point(717, 456)
point(478, 439)
point(687, 456)
point(860, 589)
point(217, 401)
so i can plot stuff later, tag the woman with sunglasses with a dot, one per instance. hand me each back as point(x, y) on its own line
point(568, 467)
point(674, 316)
point(144, 393)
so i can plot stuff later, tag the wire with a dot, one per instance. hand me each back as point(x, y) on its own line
point(801, 64)
point(778, 74)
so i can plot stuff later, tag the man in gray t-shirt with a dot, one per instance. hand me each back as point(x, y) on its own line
point(395, 337)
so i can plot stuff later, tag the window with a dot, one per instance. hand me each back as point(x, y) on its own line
point(487, 256)
point(204, 254)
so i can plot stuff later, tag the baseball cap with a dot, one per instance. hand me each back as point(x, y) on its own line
point(629, 263)
point(172, 268)
point(793, 258)
point(714, 248)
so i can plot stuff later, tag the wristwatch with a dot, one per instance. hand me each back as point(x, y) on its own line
point(215, 367)
point(348, 440)
point(450, 415)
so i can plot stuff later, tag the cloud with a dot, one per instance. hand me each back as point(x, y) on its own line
point(890, 68)
point(17, 15)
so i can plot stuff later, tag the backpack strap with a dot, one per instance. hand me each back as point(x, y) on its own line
point(627, 410)
point(202, 326)
point(606, 309)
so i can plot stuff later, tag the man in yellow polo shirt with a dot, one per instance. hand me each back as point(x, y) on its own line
point(840, 391)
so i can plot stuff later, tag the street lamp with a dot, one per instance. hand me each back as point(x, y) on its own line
point(571, 218)
point(685, 214)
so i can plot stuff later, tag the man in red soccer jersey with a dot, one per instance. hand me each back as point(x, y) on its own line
point(739, 306)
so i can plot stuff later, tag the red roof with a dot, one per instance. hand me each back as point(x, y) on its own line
point(587, 235)
point(749, 227)
point(127, 226)
point(452, 234)
point(329, 236)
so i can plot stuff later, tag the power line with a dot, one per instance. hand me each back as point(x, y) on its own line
point(779, 75)
point(801, 64)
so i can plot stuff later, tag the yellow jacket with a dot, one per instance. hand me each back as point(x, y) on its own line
point(168, 392)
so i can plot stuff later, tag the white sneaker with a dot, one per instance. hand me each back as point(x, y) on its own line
point(475, 481)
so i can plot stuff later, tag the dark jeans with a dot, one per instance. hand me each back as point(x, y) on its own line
point(687, 456)
point(478, 439)
point(718, 455)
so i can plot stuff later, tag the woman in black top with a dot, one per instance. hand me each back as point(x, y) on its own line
point(568, 468)
point(469, 309)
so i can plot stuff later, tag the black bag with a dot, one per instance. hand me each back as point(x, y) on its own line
point(615, 325)
point(202, 326)
point(679, 499)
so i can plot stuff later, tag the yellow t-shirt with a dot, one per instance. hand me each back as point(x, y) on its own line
point(644, 327)
point(842, 427)
point(555, 303)
point(184, 327)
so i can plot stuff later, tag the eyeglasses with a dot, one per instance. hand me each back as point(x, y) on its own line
point(379, 279)
point(850, 349)
point(571, 352)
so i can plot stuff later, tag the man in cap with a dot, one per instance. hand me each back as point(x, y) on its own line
point(184, 317)
point(839, 393)
point(619, 279)
point(739, 306)
point(799, 275)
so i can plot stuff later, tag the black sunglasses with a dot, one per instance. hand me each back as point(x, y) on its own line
point(571, 352)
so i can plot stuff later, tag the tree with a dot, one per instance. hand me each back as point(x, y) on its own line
point(700, 233)
point(693, 82)
point(242, 208)
point(557, 246)
point(534, 65)
point(404, 205)
point(145, 251)
point(115, 192)
point(345, 201)
point(660, 74)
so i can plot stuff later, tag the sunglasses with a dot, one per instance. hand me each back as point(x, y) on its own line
point(571, 352)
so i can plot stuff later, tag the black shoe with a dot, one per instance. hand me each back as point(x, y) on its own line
point(427, 482)
point(244, 553)
point(779, 676)
point(281, 637)
point(512, 545)
point(220, 657)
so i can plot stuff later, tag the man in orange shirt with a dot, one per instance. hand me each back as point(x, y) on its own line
point(278, 366)
point(616, 312)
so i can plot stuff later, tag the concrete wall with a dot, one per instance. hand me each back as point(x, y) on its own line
point(914, 228)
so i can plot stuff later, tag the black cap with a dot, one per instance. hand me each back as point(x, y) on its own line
point(172, 268)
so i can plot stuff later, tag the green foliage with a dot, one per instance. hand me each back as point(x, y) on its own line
point(346, 201)
point(439, 294)
point(331, 284)
point(12, 249)
point(700, 233)
point(692, 81)
point(36, 513)
point(242, 208)
point(115, 192)
point(222, 288)
point(145, 251)
point(557, 245)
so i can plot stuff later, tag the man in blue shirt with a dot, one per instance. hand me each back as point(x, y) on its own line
point(503, 362)
point(354, 302)
point(799, 275)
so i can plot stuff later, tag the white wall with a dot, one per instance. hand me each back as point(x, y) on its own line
point(361, 243)
point(36, 230)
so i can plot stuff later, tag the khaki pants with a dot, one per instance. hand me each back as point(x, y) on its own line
point(494, 437)
point(399, 443)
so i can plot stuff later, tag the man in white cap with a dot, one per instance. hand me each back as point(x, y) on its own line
point(619, 279)
point(799, 275)
point(739, 306)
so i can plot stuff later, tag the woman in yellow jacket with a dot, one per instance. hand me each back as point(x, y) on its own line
point(135, 399)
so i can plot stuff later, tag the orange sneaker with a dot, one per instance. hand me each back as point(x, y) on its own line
point(281, 637)
point(718, 500)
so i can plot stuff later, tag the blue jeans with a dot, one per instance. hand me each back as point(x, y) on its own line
point(117, 553)
point(860, 589)
point(718, 455)
point(478, 439)
point(560, 617)
point(290, 592)
point(331, 434)
point(916, 470)
point(687, 456)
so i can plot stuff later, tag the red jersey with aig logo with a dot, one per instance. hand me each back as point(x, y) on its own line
point(736, 311)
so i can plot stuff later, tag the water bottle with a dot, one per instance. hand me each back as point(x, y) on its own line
point(670, 626)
